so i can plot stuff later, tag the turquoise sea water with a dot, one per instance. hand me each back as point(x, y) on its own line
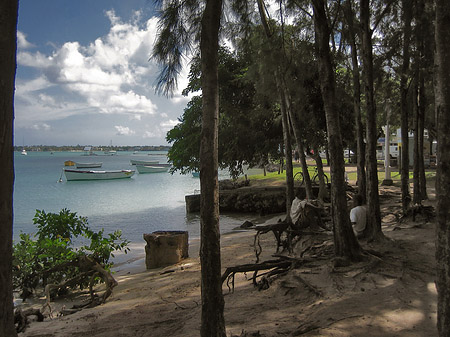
point(141, 204)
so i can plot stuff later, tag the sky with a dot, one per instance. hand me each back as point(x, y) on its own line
point(84, 75)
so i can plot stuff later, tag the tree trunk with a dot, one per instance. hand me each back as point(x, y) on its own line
point(212, 321)
point(374, 217)
point(404, 165)
point(285, 105)
point(416, 182)
point(288, 151)
point(298, 140)
point(360, 145)
point(345, 243)
point(442, 96)
point(320, 173)
point(421, 98)
point(8, 29)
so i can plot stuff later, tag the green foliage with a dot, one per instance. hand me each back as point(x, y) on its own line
point(47, 256)
point(240, 111)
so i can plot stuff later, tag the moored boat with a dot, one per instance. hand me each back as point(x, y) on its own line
point(97, 175)
point(24, 152)
point(69, 163)
point(151, 169)
point(143, 162)
point(89, 165)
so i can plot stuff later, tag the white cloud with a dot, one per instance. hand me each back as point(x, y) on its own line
point(41, 127)
point(150, 134)
point(22, 42)
point(168, 125)
point(123, 130)
point(111, 76)
point(106, 73)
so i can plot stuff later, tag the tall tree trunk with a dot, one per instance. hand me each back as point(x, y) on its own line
point(416, 163)
point(8, 29)
point(360, 145)
point(282, 92)
point(212, 321)
point(288, 151)
point(296, 130)
point(442, 96)
point(404, 155)
point(420, 9)
point(374, 218)
point(345, 243)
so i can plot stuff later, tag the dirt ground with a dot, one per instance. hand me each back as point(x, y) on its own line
point(390, 293)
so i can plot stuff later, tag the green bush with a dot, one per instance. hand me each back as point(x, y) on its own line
point(47, 256)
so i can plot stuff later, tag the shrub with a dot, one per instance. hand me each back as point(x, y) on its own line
point(49, 255)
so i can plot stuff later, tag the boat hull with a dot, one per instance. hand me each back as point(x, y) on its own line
point(151, 169)
point(89, 165)
point(143, 162)
point(73, 175)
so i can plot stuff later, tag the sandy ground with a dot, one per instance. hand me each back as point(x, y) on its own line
point(390, 294)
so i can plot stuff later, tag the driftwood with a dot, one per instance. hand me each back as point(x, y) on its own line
point(277, 230)
point(275, 267)
point(21, 317)
point(88, 267)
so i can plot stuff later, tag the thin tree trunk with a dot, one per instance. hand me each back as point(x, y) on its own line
point(8, 29)
point(320, 173)
point(298, 140)
point(420, 9)
point(360, 145)
point(212, 320)
point(442, 96)
point(345, 244)
point(288, 152)
point(374, 218)
point(416, 165)
point(404, 165)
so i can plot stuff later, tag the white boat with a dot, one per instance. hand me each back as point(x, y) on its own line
point(151, 169)
point(24, 153)
point(143, 162)
point(97, 175)
point(88, 165)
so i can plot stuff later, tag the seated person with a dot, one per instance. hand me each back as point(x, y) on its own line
point(358, 216)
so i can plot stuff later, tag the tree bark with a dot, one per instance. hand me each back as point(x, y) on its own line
point(442, 96)
point(288, 150)
point(298, 140)
point(360, 145)
point(212, 320)
point(8, 45)
point(404, 165)
point(374, 217)
point(345, 243)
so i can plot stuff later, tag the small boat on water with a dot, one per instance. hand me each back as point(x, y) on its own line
point(89, 165)
point(97, 175)
point(143, 162)
point(24, 152)
point(69, 163)
point(151, 169)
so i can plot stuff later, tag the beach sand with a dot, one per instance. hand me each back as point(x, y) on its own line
point(390, 295)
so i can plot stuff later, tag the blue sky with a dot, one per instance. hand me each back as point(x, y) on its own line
point(84, 75)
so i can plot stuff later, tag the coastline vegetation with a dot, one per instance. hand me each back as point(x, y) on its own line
point(53, 255)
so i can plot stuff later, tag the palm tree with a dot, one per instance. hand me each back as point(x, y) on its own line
point(8, 27)
point(174, 37)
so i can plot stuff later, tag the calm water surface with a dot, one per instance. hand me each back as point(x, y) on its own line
point(142, 204)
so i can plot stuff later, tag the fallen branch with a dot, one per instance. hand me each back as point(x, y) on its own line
point(230, 272)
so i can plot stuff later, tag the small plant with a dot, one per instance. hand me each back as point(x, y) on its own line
point(51, 257)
